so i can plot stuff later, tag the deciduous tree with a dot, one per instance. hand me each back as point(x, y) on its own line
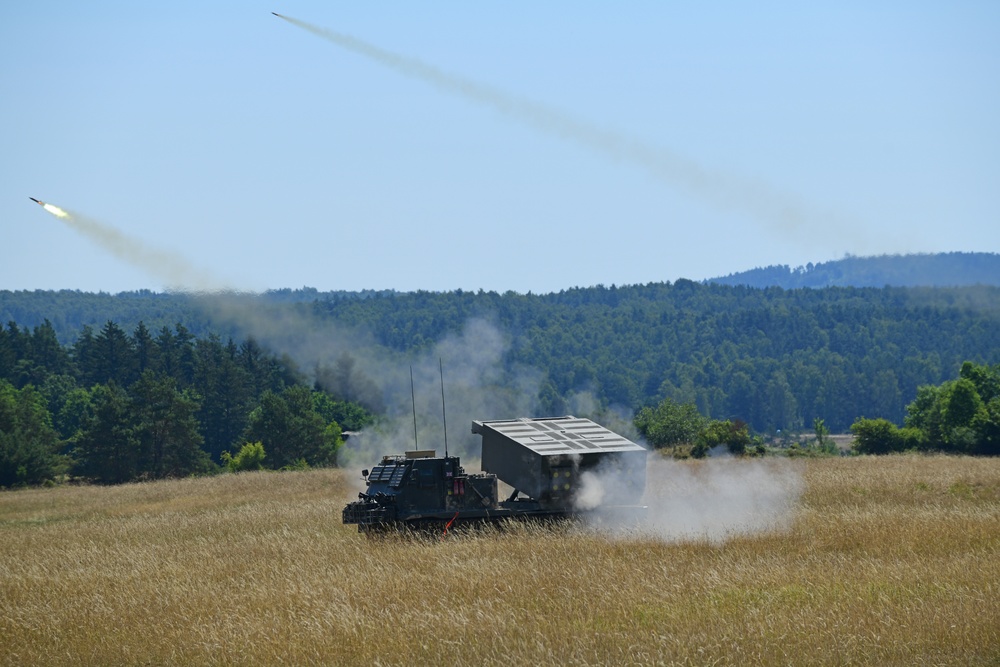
point(291, 430)
point(669, 423)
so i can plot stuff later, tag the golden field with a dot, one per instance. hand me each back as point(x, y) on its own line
point(884, 561)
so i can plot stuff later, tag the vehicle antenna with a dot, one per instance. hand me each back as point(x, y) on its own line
point(413, 402)
point(444, 417)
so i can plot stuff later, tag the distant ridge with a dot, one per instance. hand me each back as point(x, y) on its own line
point(950, 269)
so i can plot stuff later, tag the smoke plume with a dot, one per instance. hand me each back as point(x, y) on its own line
point(729, 191)
point(714, 500)
point(477, 385)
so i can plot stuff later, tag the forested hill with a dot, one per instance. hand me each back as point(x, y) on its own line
point(772, 357)
point(951, 269)
point(68, 311)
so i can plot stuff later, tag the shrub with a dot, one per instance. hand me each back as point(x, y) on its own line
point(250, 457)
point(876, 436)
point(297, 464)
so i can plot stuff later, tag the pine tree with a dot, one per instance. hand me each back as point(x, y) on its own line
point(107, 450)
point(114, 356)
point(166, 430)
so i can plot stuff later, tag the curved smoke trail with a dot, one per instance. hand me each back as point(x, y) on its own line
point(783, 212)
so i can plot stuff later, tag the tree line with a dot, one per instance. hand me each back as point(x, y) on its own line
point(772, 358)
point(116, 407)
point(959, 416)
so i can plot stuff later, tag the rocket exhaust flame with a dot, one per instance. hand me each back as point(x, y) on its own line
point(723, 190)
point(54, 210)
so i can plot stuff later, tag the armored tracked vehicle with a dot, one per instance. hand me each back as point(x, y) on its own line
point(557, 466)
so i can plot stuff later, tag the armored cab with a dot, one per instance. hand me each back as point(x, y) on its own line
point(551, 459)
point(420, 487)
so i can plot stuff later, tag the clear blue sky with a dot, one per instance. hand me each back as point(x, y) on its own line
point(274, 158)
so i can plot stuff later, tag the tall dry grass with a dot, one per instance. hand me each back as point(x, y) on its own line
point(884, 561)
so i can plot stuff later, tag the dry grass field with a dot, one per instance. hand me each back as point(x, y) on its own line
point(886, 561)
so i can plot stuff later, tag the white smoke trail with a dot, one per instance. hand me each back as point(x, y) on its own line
point(287, 329)
point(306, 340)
point(729, 191)
point(175, 271)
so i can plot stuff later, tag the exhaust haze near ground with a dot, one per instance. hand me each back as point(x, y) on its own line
point(712, 500)
point(720, 498)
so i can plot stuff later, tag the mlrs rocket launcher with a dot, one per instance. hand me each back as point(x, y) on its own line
point(552, 464)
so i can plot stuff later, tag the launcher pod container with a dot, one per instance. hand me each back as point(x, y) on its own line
point(558, 467)
point(552, 459)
